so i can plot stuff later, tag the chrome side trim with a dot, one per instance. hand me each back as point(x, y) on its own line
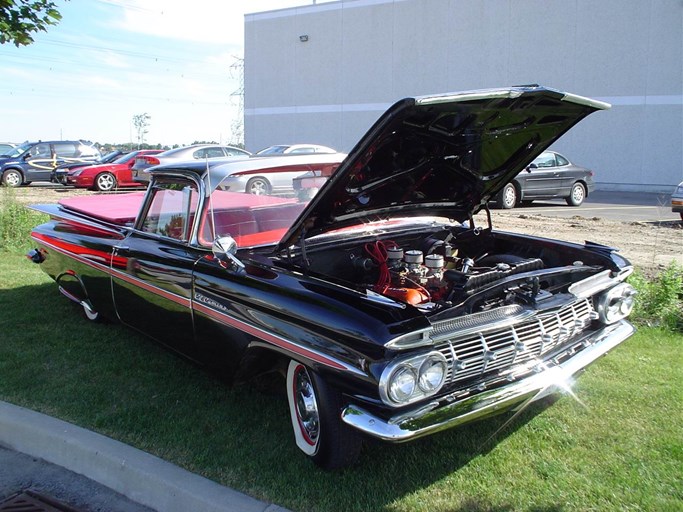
point(424, 421)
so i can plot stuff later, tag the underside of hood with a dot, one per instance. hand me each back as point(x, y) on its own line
point(443, 155)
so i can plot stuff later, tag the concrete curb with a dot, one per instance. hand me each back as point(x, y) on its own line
point(139, 476)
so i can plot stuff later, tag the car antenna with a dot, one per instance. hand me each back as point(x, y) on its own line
point(213, 220)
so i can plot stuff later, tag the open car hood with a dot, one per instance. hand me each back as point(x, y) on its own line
point(444, 155)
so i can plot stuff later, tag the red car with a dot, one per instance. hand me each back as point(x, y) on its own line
point(105, 177)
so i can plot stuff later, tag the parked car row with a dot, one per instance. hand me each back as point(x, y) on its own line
point(78, 163)
point(105, 176)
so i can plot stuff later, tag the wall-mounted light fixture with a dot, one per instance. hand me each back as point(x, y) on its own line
point(303, 38)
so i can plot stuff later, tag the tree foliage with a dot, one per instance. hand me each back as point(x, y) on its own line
point(19, 19)
point(141, 123)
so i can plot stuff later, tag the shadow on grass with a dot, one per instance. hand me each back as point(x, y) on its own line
point(109, 379)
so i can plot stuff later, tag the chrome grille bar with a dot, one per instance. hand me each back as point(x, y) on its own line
point(472, 354)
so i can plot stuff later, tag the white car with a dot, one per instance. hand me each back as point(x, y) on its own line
point(295, 149)
point(275, 174)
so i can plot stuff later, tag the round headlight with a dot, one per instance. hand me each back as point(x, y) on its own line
point(432, 374)
point(617, 303)
point(402, 384)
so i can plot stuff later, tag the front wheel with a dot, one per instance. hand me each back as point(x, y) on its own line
point(577, 195)
point(105, 182)
point(12, 178)
point(315, 411)
point(507, 198)
point(258, 187)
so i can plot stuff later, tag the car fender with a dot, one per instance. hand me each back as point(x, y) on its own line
point(518, 187)
point(583, 182)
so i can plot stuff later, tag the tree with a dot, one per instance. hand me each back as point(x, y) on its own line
point(141, 122)
point(21, 18)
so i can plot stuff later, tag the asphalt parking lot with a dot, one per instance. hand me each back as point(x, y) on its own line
point(611, 205)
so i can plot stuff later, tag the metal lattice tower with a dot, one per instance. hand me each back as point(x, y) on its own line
point(237, 97)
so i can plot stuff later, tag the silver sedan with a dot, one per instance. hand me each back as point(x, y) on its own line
point(187, 153)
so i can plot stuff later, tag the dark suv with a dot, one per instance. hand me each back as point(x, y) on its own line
point(35, 161)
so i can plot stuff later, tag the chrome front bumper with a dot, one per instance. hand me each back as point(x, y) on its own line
point(434, 417)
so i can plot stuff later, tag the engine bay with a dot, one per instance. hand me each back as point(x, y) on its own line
point(470, 269)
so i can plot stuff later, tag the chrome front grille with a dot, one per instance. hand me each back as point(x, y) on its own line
point(477, 353)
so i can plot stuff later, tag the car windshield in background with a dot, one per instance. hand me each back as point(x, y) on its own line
point(295, 149)
point(19, 150)
point(273, 150)
point(124, 159)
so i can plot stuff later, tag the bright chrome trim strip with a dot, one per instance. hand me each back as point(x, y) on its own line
point(178, 299)
point(273, 339)
point(266, 336)
point(582, 100)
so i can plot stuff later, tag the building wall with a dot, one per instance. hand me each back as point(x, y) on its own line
point(362, 55)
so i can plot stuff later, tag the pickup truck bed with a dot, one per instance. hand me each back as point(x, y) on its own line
point(115, 209)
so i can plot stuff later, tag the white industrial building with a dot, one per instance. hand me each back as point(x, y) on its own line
point(323, 73)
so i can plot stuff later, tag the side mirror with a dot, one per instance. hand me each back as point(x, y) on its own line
point(531, 166)
point(224, 249)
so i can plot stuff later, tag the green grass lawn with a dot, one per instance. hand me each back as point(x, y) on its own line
point(620, 449)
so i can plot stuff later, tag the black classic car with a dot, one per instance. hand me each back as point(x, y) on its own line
point(389, 309)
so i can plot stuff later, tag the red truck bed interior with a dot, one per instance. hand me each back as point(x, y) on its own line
point(114, 208)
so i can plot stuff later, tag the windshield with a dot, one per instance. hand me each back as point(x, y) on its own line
point(250, 219)
point(273, 150)
point(19, 150)
point(110, 156)
point(124, 159)
point(257, 220)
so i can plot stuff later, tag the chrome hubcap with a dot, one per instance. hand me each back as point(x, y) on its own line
point(306, 406)
point(578, 194)
point(13, 179)
point(509, 196)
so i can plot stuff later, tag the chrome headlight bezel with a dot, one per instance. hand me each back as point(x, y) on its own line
point(428, 373)
point(616, 303)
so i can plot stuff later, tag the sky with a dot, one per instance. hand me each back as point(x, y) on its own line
point(109, 60)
